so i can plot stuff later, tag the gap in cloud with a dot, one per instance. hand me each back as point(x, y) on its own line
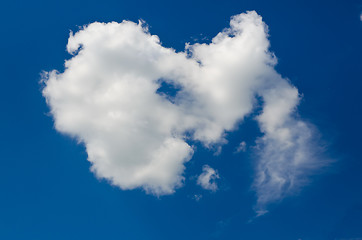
point(168, 89)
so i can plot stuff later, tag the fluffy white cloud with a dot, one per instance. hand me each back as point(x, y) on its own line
point(207, 179)
point(109, 98)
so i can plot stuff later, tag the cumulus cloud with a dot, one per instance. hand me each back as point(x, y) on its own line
point(110, 97)
point(207, 179)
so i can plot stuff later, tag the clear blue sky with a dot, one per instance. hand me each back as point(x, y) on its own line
point(48, 192)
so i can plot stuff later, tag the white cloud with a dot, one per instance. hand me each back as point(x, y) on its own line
point(287, 152)
point(108, 99)
point(197, 197)
point(241, 147)
point(207, 179)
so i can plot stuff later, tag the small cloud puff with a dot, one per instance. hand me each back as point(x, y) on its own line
point(241, 147)
point(207, 179)
point(197, 197)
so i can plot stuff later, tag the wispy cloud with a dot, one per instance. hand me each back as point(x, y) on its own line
point(241, 147)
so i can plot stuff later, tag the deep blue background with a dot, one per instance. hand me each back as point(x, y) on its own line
point(48, 192)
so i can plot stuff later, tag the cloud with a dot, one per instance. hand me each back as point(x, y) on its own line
point(138, 106)
point(207, 179)
point(241, 147)
point(197, 197)
point(288, 152)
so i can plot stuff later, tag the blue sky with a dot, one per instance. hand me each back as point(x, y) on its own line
point(48, 191)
